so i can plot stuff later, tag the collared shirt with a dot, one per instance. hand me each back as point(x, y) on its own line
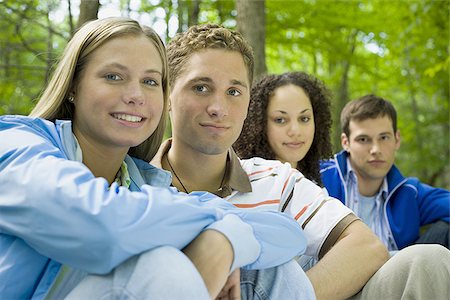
point(369, 209)
point(261, 184)
point(235, 179)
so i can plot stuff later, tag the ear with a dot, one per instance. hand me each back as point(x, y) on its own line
point(72, 90)
point(71, 97)
point(345, 142)
point(397, 140)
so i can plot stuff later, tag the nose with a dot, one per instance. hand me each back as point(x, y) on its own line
point(294, 129)
point(375, 148)
point(217, 107)
point(134, 94)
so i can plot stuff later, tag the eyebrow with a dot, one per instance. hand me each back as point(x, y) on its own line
point(125, 68)
point(209, 80)
point(381, 133)
point(284, 112)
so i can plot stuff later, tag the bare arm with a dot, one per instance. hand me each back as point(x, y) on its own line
point(349, 264)
point(212, 255)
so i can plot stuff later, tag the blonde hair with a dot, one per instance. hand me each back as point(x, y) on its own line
point(54, 104)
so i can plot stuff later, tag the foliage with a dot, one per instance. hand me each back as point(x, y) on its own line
point(400, 53)
point(28, 44)
point(396, 49)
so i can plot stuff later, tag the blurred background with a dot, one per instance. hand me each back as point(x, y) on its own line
point(397, 49)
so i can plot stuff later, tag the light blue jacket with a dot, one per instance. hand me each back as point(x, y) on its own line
point(53, 210)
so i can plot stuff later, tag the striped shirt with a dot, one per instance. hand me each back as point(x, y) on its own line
point(261, 184)
point(277, 186)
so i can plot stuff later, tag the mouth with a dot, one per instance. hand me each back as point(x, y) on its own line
point(127, 117)
point(293, 144)
point(215, 129)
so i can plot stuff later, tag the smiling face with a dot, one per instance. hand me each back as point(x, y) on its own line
point(118, 95)
point(209, 101)
point(290, 124)
point(372, 145)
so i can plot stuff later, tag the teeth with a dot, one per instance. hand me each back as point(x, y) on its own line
point(127, 117)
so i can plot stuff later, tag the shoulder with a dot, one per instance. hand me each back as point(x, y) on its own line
point(423, 189)
point(28, 129)
point(329, 164)
point(257, 165)
point(9, 121)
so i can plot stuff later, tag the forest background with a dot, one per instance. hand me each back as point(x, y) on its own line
point(397, 49)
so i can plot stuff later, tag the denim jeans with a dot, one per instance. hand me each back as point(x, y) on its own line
point(437, 233)
point(287, 281)
point(166, 273)
point(162, 273)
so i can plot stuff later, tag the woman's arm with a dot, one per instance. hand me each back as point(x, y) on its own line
point(61, 210)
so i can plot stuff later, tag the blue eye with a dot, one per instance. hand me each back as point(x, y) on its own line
point(150, 82)
point(200, 88)
point(112, 77)
point(234, 92)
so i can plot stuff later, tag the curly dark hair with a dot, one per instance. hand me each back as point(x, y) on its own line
point(253, 139)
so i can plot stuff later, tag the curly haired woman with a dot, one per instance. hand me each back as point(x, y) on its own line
point(289, 120)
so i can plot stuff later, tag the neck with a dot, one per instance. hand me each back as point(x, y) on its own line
point(194, 171)
point(102, 162)
point(368, 187)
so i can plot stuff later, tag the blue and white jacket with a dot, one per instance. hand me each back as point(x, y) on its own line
point(409, 205)
point(54, 211)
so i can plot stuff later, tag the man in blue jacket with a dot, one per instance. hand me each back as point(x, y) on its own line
point(363, 176)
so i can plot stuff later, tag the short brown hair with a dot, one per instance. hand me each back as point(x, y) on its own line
point(367, 107)
point(206, 36)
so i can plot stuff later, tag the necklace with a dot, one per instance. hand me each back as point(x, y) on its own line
point(175, 173)
point(181, 182)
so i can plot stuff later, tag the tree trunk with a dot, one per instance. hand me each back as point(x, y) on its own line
point(194, 12)
point(342, 95)
point(72, 29)
point(88, 11)
point(251, 22)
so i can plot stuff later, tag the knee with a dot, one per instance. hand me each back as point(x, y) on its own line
point(433, 257)
point(168, 272)
point(167, 259)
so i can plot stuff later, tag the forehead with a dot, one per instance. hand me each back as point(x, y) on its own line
point(290, 98)
point(371, 127)
point(215, 64)
point(137, 49)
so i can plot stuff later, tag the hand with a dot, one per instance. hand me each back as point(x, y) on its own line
point(232, 288)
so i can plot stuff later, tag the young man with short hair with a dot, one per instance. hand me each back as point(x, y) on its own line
point(363, 176)
point(211, 74)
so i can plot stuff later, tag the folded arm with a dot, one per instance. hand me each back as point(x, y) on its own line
point(348, 265)
point(61, 210)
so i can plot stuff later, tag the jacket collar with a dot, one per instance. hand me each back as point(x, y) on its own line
point(140, 172)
